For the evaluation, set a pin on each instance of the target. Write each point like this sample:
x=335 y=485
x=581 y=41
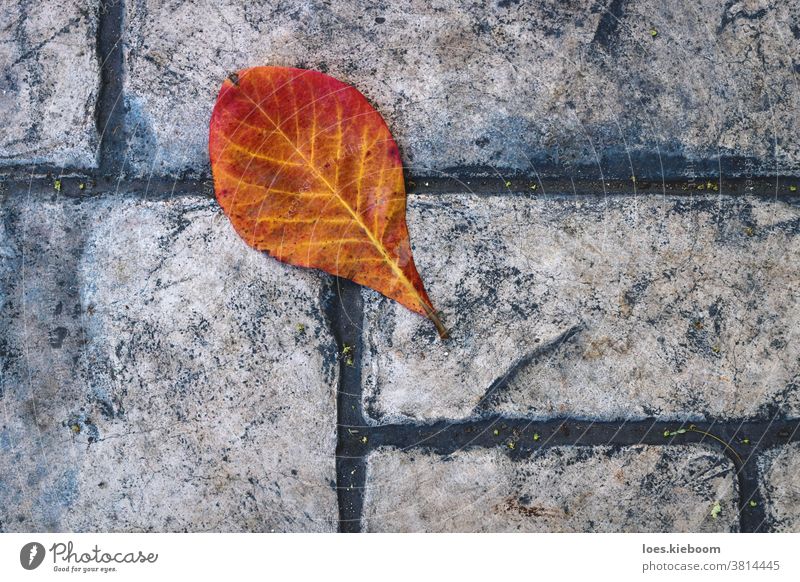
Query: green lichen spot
x=495 y=432
x=512 y=445
x=363 y=440
x=672 y=433
x=57 y=185
x=347 y=354
x=653 y=32
x=753 y=503
x=536 y=436
x=716 y=510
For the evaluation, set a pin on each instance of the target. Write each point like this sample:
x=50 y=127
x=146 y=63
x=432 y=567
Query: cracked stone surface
x=156 y=374
x=590 y=88
x=49 y=82
x=780 y=485
x=644 y=489
x=672 y=307
x=159 y=375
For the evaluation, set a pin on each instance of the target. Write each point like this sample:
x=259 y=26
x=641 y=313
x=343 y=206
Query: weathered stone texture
x=160 y=375
x=779 y=470
x=562 y=489
x=673 y=307
x=588 y=88
x=49 y=82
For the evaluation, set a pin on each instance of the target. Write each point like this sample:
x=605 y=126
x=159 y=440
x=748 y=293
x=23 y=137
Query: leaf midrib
x=375 y=242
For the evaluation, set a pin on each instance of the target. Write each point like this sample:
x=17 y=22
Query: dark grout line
x=752 y=518
x=98 y=187
x=780 y=186
x=345 y=314
x=109 y=111
x=101 y=183
x=445 y=437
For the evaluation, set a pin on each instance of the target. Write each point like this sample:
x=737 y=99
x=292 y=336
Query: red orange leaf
x=308 y=171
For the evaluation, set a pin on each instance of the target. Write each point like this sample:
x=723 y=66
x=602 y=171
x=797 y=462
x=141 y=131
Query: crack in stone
x=503 y=382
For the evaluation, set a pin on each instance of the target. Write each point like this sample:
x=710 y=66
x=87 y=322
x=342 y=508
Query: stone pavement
x=603 y=206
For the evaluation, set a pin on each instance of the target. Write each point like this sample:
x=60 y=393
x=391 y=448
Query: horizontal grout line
x=522 y=437
x=79 y=185
x=780 y=187
x=86 y=186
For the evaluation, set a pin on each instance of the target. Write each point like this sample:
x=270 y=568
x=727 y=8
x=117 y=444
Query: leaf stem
x=434 y=317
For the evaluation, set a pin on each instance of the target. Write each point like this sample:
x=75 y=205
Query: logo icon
x=31 y=555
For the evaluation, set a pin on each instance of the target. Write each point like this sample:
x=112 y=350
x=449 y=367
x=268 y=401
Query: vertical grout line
x=345 y=312
x=752 y=519
x=109 y=109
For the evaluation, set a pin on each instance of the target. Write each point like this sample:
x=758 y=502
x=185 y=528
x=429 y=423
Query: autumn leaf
x=308 y=171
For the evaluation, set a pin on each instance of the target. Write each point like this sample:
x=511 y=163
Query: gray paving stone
x=677 y=308
x=779 y=469
x=160 y=375
x=585 y=88
x=562 y=489
x=49 y=83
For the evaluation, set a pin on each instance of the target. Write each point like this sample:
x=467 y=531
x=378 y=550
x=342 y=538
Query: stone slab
x=49 y=83
x=562 y=489
x=159 y=375
x=589 y=89
x=602 y=308
x=779 y=469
